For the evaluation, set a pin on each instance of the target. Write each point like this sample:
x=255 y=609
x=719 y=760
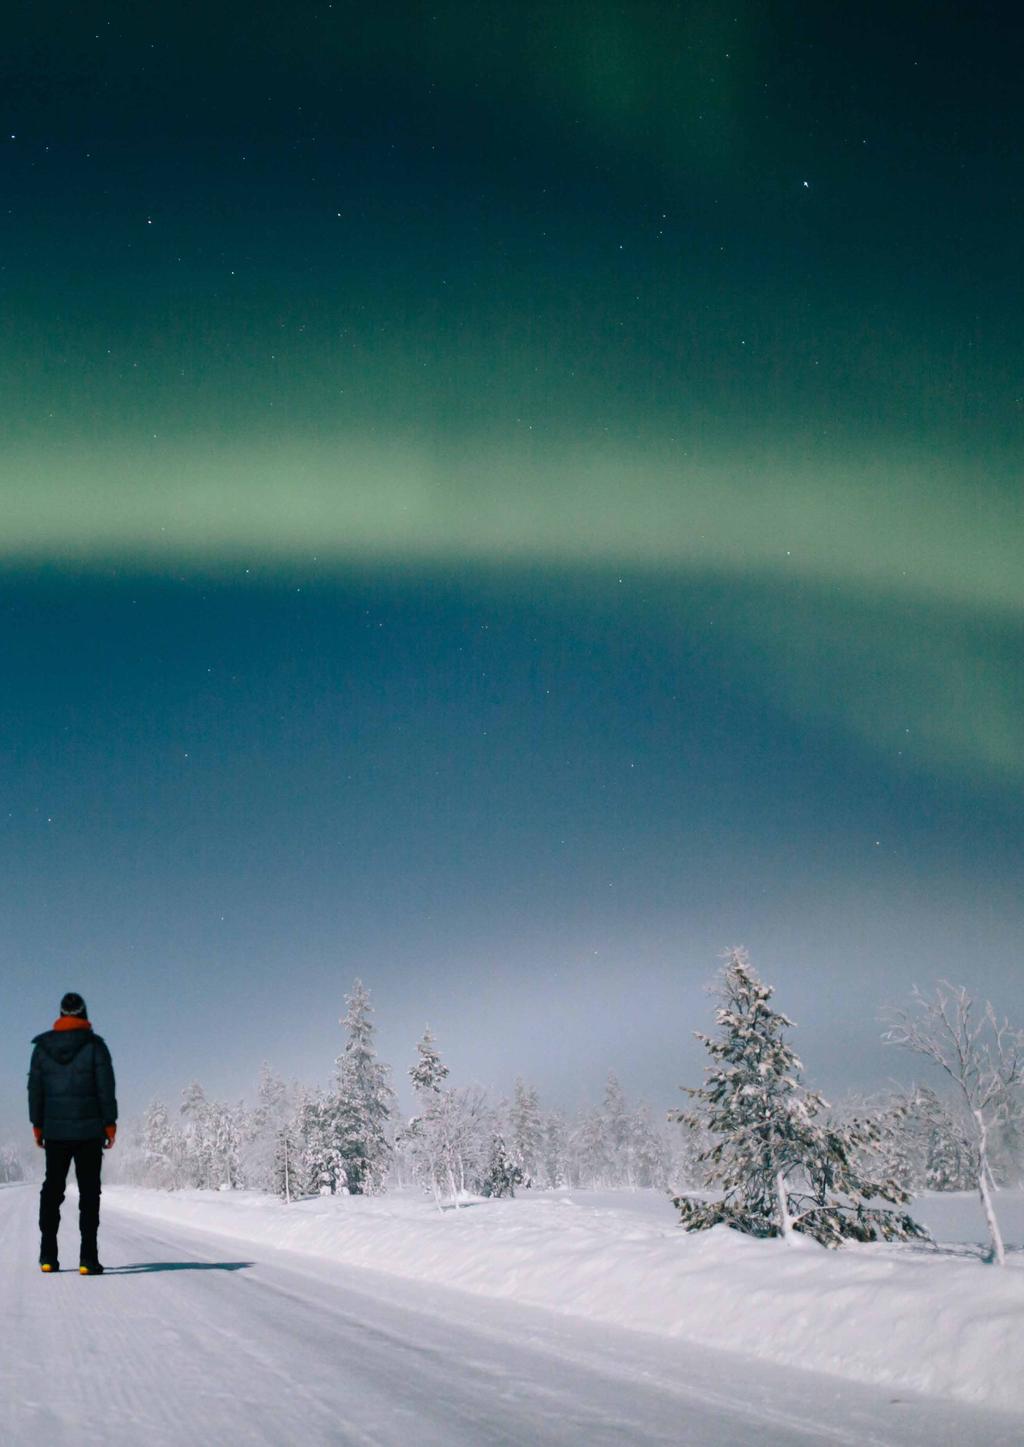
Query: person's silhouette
x=73 y=1110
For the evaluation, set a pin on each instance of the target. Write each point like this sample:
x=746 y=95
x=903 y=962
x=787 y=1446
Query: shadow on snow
x=142 y=1267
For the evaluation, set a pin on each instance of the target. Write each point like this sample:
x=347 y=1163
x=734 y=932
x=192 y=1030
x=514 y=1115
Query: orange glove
x=37 y=1131
x=110 y=1131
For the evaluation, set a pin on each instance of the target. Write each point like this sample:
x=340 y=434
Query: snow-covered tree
x=983 y=1057
x=648 y=1150
x=225 y=1127
x=896 y=1150
x=197 y=1137
x=162 y=1149
x=429 y=1073
x=323 y=1161
x=1008 y=1141
x=470 y=1131
x=526 y=1131
x=273 y=1143
x=288 y=1179
x=900 y=1152
x=427 y=1136
x=446 y=1140
x=502 y=1172
x=616 y=1124
x=941 y=1131
x=831 y=1198
x=260 y=1128
x=588 y=1160
x=211 y=1140
x=12 y=1167
x=273 y=1099
x=783 y=1168
x=616 y=1144
x=923 y=1139
x=632 y=1152
x=364 y=1101
x=754 y=1106
x=555 y=1149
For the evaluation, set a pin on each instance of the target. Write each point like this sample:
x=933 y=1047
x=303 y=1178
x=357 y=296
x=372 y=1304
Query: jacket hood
x=63 y=1045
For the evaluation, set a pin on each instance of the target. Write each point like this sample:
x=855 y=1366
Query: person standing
x=73 y=1110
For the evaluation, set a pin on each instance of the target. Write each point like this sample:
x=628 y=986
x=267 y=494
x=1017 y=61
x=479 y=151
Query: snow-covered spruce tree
x=555 y=1150
x=590 y=1165
x=649 y=1152
x=323 y=1163
x=259 y=1128
x=162 y=1149
x=427 y=1136
x=273 y=1140
x=526 y=1132
x=211 y=1140
x=364 y=1101
x=304 y=1103
x=616 y=1144
x=226 y=1141
x=616 y=1120
x=502 y=1172
x=197 y=1156
x=983 y=1057
x=783 y=1170
x=429 y=1073
x=833 y=1204
x=633 y=1154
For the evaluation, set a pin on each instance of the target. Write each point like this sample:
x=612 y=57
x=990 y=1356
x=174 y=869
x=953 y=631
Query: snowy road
x=188 y=1339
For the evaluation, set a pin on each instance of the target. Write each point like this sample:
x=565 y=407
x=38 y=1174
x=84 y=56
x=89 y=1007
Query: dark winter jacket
x=71 y=1085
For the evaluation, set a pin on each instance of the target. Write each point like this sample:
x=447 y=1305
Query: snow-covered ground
x=197 y=1336
x=920 y=1318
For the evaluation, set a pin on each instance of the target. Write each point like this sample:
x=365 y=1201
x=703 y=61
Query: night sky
x=507 y=501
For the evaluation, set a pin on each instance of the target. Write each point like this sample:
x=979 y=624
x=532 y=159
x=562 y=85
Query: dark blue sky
x=527 y=809
x=506 y=503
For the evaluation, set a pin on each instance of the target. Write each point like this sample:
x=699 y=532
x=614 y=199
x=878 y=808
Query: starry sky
x=506 y=501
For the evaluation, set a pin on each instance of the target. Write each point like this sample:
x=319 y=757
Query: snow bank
x=933 y=1321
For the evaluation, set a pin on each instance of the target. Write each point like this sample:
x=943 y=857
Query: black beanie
x=73 y=1004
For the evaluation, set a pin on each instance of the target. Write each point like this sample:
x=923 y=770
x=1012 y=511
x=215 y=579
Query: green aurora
x=508 y=499
x=893 y=602
x=581 y=290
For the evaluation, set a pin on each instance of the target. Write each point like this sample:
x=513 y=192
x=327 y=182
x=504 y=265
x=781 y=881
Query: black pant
x=88 y=1159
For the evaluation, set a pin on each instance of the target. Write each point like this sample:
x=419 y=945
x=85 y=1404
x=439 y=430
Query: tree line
x=351 y=1138
x=756 y=1149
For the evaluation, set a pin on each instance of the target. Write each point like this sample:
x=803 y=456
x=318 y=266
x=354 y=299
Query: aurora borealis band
x=649 y=374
